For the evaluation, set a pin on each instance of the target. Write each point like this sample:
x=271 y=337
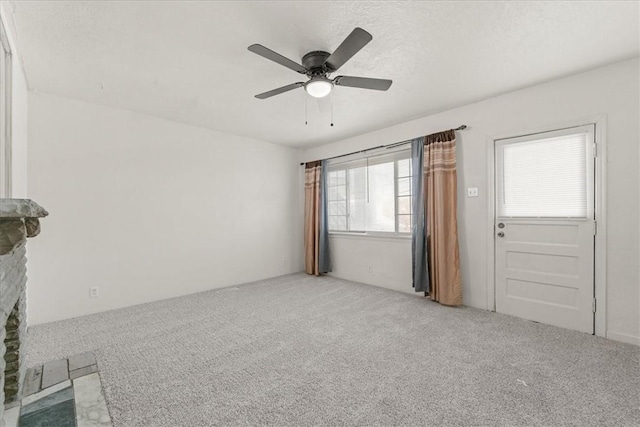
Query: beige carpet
x=300 y=350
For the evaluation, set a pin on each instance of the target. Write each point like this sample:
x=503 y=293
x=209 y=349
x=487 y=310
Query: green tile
x=47 y=401
x=59 y=415
x=46 y=392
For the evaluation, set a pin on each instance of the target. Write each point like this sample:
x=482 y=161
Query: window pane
x=358 y=199
x=358 y=215
x=333 y=193
x=404 y=186
x=337 y=223
x=543 y=178
x=404 y=168
x=369 y=187
x=404 y=205
x=404 y=223
x=358 y=184
x=381 y=206
x=333 y=222
x=371 y=198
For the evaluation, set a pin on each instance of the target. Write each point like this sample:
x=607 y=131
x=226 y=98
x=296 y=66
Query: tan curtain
x=312 y=178
x=440 y=193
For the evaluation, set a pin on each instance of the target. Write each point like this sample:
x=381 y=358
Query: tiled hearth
x=61 y=393
x=19 y=219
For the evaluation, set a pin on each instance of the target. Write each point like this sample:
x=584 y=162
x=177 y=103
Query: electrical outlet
x=93 y=292
x=472 y=192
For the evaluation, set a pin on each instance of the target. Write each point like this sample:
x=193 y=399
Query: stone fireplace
x=18 y=220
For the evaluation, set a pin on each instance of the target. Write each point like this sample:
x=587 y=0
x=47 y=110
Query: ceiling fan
x=317 y=66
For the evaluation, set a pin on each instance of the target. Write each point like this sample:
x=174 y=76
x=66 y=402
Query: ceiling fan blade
x=349 y=47
x=280 y=90
x=363 y=82
x=276 y=57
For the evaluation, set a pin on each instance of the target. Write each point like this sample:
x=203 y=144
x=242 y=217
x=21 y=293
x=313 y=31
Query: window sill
x=377 y=236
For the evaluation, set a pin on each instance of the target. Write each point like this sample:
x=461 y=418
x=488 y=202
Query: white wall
x=19 y=93
x=379 y=261
x=147 y=209
x=612 y=91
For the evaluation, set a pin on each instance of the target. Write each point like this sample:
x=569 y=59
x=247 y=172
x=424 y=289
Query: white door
x=545 y=227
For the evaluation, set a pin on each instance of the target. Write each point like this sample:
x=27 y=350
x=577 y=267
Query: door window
x=546 y=175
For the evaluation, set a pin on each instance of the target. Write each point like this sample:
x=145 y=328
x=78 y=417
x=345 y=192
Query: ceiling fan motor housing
x=314 y=62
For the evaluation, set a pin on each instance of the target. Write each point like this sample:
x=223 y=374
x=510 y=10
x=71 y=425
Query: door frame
x=600 y=252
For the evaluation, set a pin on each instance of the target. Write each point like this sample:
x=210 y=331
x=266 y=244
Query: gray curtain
x=418 y=232
x=324 y=258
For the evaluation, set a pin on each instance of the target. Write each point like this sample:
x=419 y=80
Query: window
x=5 y=114
x=371 y=195
x=546 y=175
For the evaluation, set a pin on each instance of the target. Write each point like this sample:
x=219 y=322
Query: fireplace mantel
x=19 y=219
x=21 y=208
x=25 y=211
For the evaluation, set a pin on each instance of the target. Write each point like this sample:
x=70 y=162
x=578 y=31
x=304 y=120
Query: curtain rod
x=461 y=127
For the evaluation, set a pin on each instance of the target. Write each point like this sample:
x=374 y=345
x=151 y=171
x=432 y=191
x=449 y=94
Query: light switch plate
x=472 y=192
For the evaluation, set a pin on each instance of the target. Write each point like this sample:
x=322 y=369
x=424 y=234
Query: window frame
x=5 y=114
x=394 y=157
x=397 y=196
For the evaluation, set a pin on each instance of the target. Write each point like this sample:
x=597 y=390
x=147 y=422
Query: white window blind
x=544 y=178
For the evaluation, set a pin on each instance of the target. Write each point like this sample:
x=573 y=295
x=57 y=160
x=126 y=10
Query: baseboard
x=616 y=336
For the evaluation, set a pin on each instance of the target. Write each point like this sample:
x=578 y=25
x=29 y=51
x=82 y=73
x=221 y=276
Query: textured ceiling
x=188 y=61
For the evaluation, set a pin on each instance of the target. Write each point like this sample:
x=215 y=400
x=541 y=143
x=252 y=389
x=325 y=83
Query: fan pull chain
x=305 y=109
x=331 y=101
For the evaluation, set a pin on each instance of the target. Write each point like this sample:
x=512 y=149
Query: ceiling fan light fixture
x=318 y=87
